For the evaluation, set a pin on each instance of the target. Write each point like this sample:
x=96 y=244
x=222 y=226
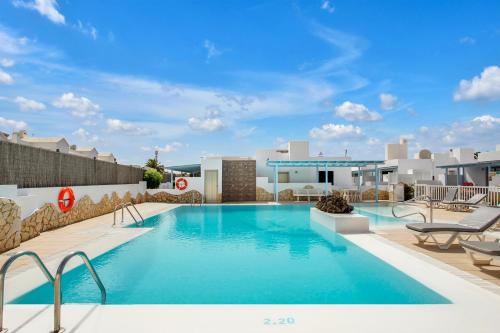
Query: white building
x=89 y=152
x=58 y=144
x=108 y=157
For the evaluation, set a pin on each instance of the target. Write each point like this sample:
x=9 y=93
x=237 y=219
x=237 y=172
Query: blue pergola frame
x=326 y=164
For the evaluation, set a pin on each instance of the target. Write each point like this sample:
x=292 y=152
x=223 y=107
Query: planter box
x=341 y=223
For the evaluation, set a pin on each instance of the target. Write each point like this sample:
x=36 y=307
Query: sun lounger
x=473 y=201
x=488 y=250
x=471 y=225
x=449 y=197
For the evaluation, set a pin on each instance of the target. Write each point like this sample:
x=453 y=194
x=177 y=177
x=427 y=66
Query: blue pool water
x=241 y=254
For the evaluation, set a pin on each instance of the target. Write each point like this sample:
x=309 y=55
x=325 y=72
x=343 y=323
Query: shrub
x=153 y=178
x=334 y=204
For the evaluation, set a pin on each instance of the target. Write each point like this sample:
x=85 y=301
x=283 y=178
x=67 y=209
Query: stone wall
x=370 y=195
x=13 y=230
x=10 y=224
x=238 y=180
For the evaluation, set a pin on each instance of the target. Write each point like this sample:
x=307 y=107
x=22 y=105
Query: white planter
x=341 y=223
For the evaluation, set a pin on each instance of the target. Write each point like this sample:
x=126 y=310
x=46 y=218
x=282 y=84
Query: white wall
x=211 y=164
x=30 y=199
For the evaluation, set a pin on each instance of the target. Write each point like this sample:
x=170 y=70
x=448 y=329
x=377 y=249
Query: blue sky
x=197 y=78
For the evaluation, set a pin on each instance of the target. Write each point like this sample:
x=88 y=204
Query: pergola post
x=376 y=182
x=458 y=176
x=359 y=179
x=445 y=176
x=488 y=170
x=326 y=179
x=276 y=193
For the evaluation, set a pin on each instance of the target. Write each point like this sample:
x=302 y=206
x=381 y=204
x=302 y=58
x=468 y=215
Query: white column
x=376 y=182
x=326 y=179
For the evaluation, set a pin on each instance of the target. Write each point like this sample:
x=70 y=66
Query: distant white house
x=4 y=136
x=89 y=152
x=58 y=143
x=108 y=157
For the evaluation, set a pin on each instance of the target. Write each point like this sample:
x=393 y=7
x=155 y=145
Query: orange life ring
x=65 y=204
x=181 y=184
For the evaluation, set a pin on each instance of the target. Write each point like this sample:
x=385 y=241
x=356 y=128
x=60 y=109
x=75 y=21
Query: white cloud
x=373 y=141
x=423 y=129
x=352 y=111
x=487 y=121
x=467 y=40
x=483 y=87
x=6 y=62
x=12 y=124
x=170 y=147
x=47 y=8
x=334 y=131
x=125 y=127
x=206 y=124
x=26 y=104
x=387 y=101
x=79 y=106
x=86 y=29
x=5 y=78
x=86 y=136
x=327 y=6
x=212 y=50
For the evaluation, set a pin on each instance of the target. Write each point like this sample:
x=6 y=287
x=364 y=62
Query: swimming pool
x=239 y=254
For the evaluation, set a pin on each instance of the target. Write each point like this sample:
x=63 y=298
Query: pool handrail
x=126 y=206
x=3 y=272
x=427 y=198
x=57 y=285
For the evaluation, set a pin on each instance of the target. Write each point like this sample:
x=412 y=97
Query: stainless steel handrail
x=57 y=285
x=125 y=206
x=428 y=199
x=3 y=272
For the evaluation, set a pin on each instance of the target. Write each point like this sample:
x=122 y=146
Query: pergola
x=460 y=167
x=324 y=164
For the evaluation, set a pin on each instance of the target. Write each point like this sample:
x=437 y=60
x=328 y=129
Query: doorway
x=211 y=186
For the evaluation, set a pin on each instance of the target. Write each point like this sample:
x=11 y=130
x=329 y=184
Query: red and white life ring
x=66 y=199
x=181 y=184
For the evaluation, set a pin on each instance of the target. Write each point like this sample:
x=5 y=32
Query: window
x=283 y=177
x=321 y=177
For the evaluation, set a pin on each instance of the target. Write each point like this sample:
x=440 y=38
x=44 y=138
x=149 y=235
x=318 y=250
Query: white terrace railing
x=438 y=192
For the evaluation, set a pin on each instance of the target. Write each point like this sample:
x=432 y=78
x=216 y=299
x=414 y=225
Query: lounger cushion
x=489 y=248
x=434 y=227
x=482 y=218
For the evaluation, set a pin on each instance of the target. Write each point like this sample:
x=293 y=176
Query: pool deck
x=475 y=294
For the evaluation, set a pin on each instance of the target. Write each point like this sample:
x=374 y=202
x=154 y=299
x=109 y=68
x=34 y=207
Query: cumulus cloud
x=212 y=50
x=487 y=121
x=12 y=124
x=26 y=104
x=47 y=8
x=86 y=136
x=486 y=86
x=387 y=101
x=125 y=127
x=5 y=78
x=336 y=131
x=170 y=147
x=79 y=106
x=352 y=111
x=327 y=6
x=206 y=124
x=6 y=62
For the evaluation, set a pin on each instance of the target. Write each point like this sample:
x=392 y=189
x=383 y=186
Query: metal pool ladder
x=57 y=285
x=126 y=206
x=56 y=282
x=3 y=272
x=415 y=213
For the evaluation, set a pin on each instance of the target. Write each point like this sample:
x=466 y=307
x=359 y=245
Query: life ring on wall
x=66 y=203
x=181 y=184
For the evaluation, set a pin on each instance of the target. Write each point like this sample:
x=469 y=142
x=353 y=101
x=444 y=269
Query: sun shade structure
x=323 y=164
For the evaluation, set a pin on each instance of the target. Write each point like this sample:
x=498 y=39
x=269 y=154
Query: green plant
x=154 y=164
x=409 y=191
x=335 y=204
x=153 y=178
